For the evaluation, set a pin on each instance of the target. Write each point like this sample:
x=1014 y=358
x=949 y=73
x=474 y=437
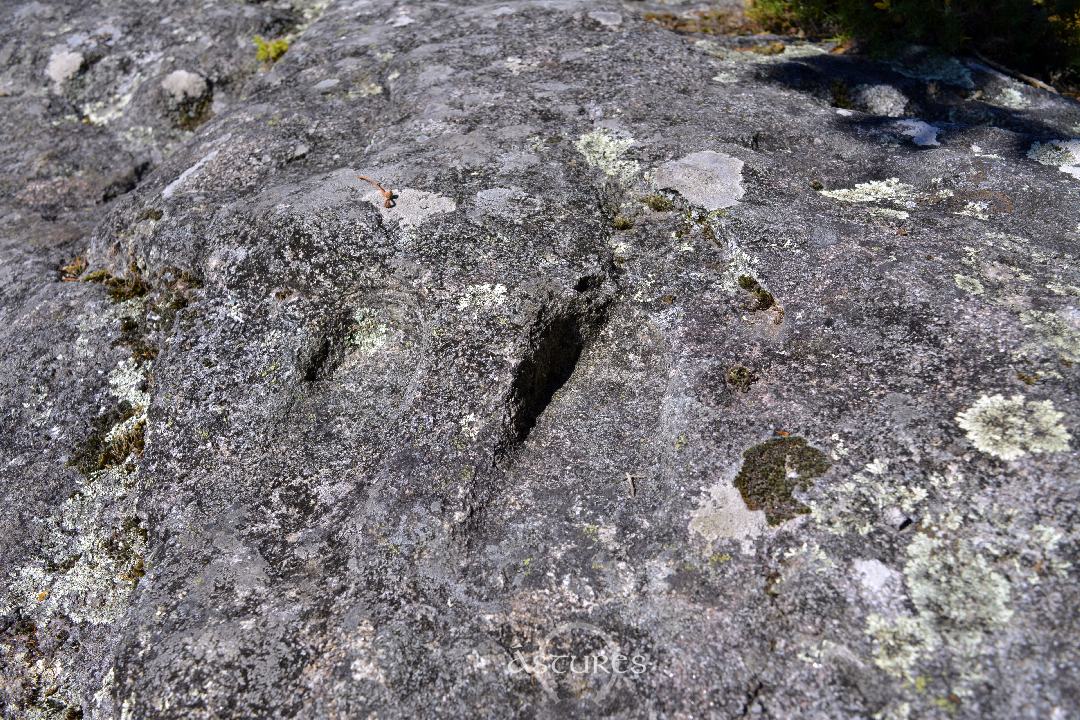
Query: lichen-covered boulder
x=529 y=359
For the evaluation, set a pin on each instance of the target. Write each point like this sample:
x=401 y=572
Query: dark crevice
x=540 y=375
x=330 y=351
x=589 y=282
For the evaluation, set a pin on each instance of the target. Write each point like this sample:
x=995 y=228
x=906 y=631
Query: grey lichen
x=959 y=599
x=1009 y=428
x=604 y=150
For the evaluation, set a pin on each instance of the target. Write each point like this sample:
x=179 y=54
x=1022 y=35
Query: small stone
x=606 y=18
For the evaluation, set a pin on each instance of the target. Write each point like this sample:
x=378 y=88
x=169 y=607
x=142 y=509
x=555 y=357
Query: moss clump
x=71 y=271
x=269 y=51
x=762 y=299
x=772 y=470
x=120 y=289
x=193 y=113
x=621 y=222
x=741 y=377
x=113 y=437
x=770 y=48
x=658 y=203
x=706 y=22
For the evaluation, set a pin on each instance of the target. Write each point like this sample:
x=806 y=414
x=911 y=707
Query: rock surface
x=790 y=435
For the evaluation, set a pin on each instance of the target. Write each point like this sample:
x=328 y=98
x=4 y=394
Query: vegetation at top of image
x=1041 y=37
x=269 y=51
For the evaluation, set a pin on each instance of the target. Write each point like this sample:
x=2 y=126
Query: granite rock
x=271 y=448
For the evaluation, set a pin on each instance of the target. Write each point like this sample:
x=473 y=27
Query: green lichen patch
x=604 y=149
x=970 y=285
x=773 y=470
x=1054 y=332
x=369 y=334
x=269 y=51
x=741 y=377
x=761 y=299
x=1009 y=428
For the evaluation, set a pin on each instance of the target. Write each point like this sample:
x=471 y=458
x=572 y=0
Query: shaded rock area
x=273 y=449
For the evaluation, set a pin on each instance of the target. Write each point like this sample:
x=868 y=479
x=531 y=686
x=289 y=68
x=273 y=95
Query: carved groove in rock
x=543 y=373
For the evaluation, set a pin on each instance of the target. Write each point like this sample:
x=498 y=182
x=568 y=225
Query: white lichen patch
x=1062 y=154
x=64 y=65
x=889 y=213
x=1010 y=428
x=884 y=100
x=99 y=542
x=708 y=179
x=128 y=383
x=899 y=643
x=366 y=88
x=604 y=150
x=970 y=285
x=890 y=190
x=182 y=85
x=369 y=335
x=486 y=296
x=1012 y=98
x=955 y=586
x=1063 y=289
x=977 y=210
x=723 y=515
x=939 y=68
x=517 y=65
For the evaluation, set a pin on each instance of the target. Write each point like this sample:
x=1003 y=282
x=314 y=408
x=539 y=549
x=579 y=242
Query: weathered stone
x=272 y=448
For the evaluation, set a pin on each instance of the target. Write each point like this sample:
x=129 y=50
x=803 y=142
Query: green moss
x=772 y=470
x=762 y=298
x=621 y=222
x=193 y=113
x=741 y=377
x=269 y=51
x=706 y=22
x=120 y=289
x=72 y=270
x=658 y=203
x=114 y=437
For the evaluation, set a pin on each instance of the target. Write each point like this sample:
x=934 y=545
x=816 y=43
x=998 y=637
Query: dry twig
x=388 y=195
